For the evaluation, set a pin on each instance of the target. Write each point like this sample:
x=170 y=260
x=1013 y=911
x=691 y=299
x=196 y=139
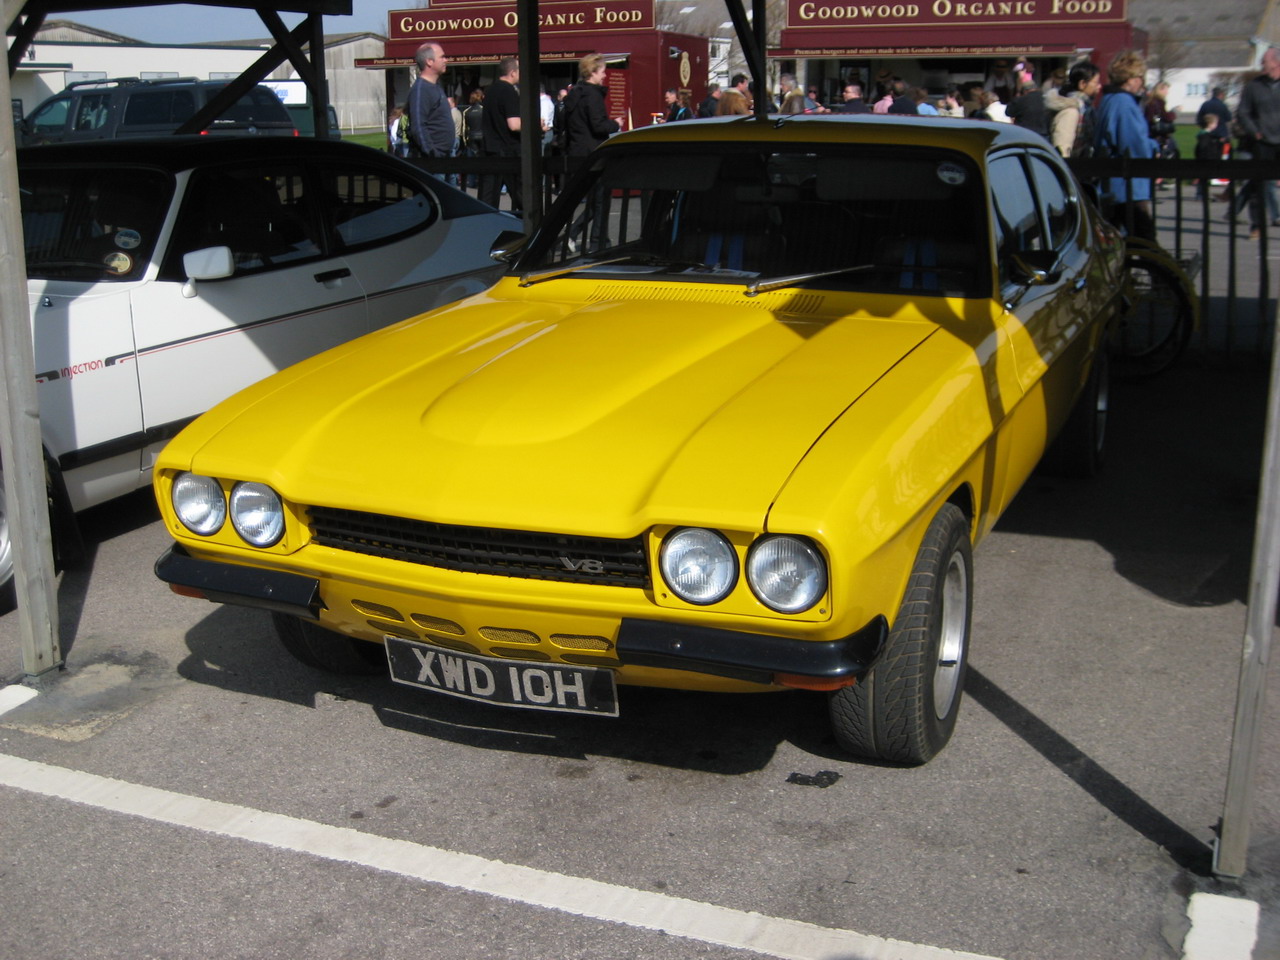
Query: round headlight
x=786 y=573
x=699 y=565
x=199 y=503
x=257 y=514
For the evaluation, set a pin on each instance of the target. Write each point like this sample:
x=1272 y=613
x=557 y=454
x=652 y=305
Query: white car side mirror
x=211 y=263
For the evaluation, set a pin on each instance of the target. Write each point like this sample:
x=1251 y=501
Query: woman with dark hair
x=1071 y=108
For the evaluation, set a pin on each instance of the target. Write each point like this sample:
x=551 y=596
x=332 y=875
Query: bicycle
x=1161 y=310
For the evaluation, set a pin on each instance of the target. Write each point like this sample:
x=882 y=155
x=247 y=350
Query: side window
x=148 y=107
x=1059 y=211
x=91 y=111
x=1017 y=215
x=97 y=224
x=368 y=207
x=52 y=117
x=261 y=212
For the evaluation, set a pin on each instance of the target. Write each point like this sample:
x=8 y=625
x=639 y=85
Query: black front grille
x=504 y=553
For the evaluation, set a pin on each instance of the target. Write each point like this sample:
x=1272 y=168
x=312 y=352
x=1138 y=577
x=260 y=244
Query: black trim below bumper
x=241 y=586
x=749 y=656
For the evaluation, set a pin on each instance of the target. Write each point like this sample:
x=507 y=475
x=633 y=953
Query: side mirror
x=211 y=263
x=1035 y=268
x=1032 y=268
x=508 y=245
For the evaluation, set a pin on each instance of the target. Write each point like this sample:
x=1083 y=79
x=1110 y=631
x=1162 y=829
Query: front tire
x=904 y=710
x=1080 y=448
x=325 y=650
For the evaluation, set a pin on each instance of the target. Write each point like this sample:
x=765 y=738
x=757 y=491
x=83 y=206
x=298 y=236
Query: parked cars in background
x=166 y=274
x=297 y=100
x=129 y=107
x=733 y=421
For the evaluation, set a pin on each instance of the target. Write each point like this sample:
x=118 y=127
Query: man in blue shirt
x=431 y=131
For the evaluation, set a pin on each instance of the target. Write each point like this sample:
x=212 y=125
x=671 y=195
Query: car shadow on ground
x=1175 y=504
x=729 y=734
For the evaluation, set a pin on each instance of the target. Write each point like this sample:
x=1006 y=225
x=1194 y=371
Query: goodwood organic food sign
x=476 y=20
x=825 y=14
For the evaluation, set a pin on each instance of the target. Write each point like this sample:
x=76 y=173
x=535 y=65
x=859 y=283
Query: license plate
x=512 y=683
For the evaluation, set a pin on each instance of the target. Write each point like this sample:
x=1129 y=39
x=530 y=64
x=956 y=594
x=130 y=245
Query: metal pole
x=26 y=503
x=530 y=52
x=1229 y=853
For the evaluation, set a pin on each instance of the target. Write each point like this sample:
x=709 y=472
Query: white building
x=63 y=52
x=1195 y=46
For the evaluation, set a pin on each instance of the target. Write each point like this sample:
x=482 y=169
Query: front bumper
x=737 y=655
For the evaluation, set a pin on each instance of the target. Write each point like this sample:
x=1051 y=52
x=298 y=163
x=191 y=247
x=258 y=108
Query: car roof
x=177 y=153
x=974 y=137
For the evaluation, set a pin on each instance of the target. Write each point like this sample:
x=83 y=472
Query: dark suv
x=129 y=107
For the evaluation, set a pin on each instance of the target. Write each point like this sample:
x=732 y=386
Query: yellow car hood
x=597 y=418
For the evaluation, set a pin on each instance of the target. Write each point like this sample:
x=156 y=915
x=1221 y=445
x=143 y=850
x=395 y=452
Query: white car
x=165 y=275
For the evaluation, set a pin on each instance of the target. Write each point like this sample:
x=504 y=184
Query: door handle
x=341 y=273
x=1080 y=284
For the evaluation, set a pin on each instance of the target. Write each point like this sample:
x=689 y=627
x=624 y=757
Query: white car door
x=287 y=299
x=89 y=232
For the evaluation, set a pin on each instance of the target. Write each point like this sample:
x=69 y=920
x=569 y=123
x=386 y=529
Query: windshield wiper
x=777 y=283
x=645 y=259
x=529 y=279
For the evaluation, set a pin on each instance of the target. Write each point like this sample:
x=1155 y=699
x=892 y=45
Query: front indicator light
x=257 y=514
x=199 y=503
x=787 y=574
x=698 y=565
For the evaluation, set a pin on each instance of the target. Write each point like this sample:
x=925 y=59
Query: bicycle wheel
x=1156 y=326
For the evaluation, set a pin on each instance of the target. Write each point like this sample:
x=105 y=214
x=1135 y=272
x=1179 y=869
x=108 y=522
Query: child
x=1209 y=145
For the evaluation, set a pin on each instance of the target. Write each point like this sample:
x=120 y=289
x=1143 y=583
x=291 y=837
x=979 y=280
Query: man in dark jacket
x=431 y=131
x=587 y=125
x=1259 y=118
x=708 y=106
x=502 y=134
x=853 y=102
x=1029 y=111
x=1220 y=110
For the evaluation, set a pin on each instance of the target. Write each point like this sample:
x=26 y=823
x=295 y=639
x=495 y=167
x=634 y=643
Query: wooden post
x=21 y=449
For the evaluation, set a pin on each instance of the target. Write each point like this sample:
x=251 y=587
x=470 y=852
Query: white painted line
x=1222 y=928
x=771 y=936
x=15 y=695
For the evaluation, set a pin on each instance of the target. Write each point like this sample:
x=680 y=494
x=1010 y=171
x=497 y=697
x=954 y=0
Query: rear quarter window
x=368 y=207
x=154 y=107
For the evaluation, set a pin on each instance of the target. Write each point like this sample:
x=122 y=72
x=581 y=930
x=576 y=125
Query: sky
x=188 y=23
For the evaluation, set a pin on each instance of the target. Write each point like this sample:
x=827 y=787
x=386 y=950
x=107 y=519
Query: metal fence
x=1203 y=218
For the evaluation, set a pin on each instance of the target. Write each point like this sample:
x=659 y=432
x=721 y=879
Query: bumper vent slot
x=503 y=553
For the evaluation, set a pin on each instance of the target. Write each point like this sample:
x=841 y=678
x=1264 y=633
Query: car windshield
x=851 y=217
x=92 y=225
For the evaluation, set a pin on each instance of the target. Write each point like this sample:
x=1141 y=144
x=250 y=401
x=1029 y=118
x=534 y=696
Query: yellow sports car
x=732 y=421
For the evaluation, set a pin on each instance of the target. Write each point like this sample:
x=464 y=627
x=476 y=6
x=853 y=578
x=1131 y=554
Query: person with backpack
x=1071 y=110
x=398 y=132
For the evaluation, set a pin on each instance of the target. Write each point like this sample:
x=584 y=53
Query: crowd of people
x=1074 y=109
